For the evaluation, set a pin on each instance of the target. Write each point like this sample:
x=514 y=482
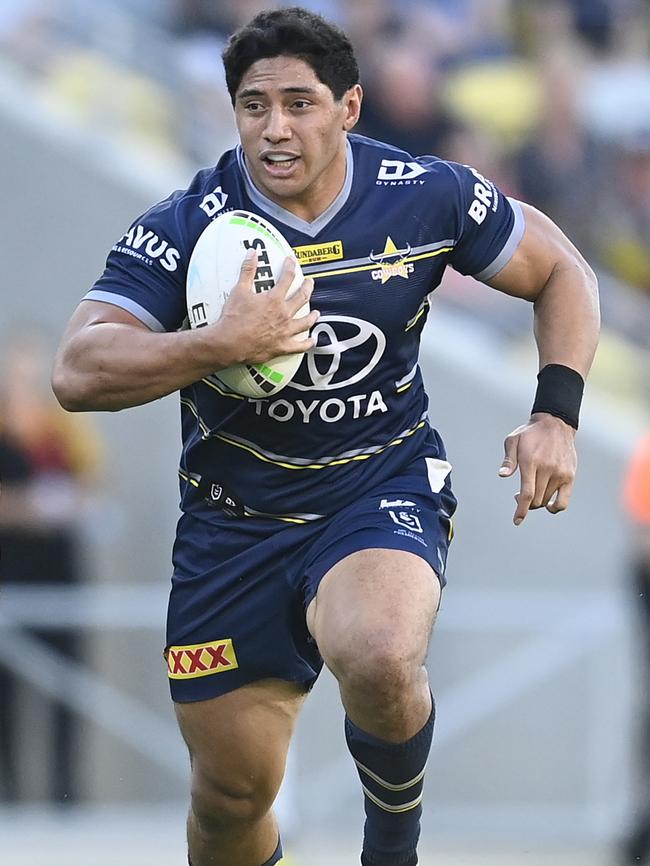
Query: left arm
x=548 y=270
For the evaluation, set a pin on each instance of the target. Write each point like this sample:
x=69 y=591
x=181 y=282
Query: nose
x=277 y=127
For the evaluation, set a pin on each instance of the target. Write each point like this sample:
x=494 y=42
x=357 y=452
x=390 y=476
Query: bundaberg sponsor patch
x=313 y=254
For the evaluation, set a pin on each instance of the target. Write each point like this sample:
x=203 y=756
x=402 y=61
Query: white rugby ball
x=212 y=273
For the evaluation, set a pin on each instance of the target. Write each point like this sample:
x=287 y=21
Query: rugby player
x=315 y=524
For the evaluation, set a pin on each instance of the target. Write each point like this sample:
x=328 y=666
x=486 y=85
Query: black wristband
x=559 y=392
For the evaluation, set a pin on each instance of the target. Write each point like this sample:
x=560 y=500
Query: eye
x=301 y=104
x=253 y=107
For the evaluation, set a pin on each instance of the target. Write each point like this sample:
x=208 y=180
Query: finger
x=285 y=279
x=509 y=463
x=297 y=347
x=552 y=487
x=304 y=323
x=544 y=487
x=561 y=500
x=524 y=497
x=301 y=340
x=248 y=268
x=301 y=297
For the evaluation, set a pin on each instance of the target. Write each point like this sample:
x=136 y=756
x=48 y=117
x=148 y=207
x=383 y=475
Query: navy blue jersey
x=356 y=412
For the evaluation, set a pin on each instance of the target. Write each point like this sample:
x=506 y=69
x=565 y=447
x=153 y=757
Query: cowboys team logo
x=392 y=262
x=201 y=659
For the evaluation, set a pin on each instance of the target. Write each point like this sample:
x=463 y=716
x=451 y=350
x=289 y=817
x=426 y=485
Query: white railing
x=587 y=623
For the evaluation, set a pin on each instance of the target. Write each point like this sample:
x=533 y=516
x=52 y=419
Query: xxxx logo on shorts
x=201 y=659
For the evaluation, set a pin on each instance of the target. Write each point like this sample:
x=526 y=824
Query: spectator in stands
x=623 y=220
x=558 y=166
x=192 y=17
x=402 y=102
x=49 y=464
x=28 y=33
x=636 y=502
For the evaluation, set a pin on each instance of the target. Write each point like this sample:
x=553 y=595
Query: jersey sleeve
x=488 y=224
x=145 y=269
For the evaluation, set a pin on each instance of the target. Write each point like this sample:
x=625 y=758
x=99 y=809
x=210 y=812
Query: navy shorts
x=241 y=587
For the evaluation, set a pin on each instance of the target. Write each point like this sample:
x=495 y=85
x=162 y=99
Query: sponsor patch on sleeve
x=201 y=659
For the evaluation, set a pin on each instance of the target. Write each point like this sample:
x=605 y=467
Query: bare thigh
x=372 y=618
x=385 y=593
x=238 y=742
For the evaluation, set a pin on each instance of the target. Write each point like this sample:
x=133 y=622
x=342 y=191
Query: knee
x=220 y=805
x=380 y=662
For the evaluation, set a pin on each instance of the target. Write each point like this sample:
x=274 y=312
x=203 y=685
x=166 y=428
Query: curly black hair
x=295 y=32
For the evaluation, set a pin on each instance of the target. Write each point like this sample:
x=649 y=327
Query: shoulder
x=387 y=166
x=168 y=230
x=206 y=195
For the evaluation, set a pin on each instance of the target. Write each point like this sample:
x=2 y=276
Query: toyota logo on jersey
x=346 y=351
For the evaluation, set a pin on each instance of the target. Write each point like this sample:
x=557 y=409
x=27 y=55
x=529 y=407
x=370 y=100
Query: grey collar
x=285 y=216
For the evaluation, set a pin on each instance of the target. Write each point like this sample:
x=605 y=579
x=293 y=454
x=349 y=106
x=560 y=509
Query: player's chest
x=381 y=276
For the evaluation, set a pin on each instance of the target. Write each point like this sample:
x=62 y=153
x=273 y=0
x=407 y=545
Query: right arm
x=109 y=360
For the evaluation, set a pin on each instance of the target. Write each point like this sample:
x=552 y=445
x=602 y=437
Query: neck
x=314 y=201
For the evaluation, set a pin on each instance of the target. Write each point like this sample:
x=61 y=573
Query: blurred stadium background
x=106 y=106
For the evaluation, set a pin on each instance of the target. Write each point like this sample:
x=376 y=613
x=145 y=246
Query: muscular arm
x=548 y=270
x=109 y=360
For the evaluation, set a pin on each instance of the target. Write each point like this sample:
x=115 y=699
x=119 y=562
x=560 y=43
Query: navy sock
x=277 y=855
x=392 y=777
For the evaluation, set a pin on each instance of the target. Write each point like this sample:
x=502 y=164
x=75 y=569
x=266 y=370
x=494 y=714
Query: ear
x=352 y=100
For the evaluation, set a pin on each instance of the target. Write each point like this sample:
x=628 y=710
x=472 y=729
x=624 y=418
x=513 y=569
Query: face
x=293 y=133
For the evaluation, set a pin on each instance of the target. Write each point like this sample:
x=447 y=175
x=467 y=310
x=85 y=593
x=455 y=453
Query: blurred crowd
x=549 y=98
x=52 y=471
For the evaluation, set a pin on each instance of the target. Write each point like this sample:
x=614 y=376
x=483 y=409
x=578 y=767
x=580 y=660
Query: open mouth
x=279 y=163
